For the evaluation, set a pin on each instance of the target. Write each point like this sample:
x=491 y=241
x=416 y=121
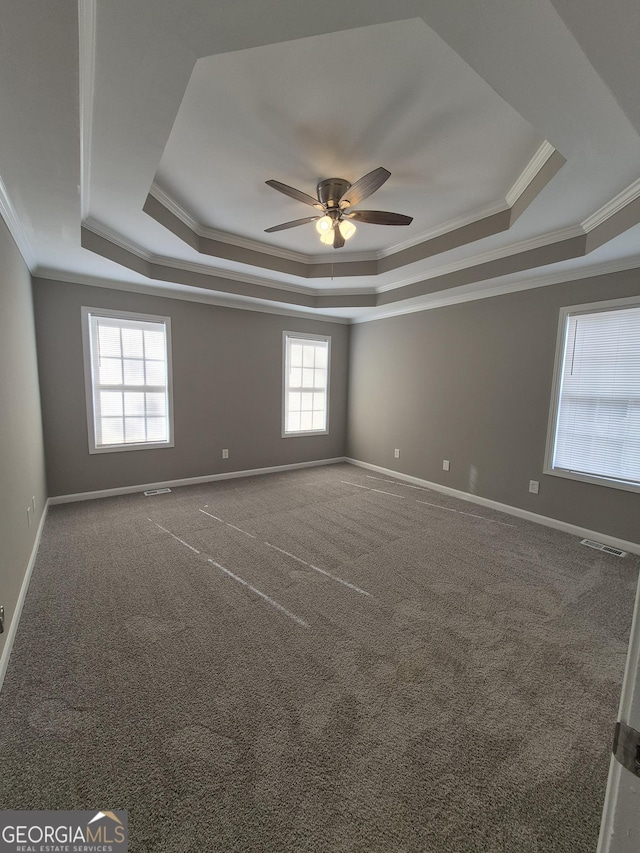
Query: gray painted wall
x=471 y=383
x=21 y=449
x=227 y=379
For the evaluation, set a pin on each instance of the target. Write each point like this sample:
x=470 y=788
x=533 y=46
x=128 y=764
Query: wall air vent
x=156 y=492
x=600 y=547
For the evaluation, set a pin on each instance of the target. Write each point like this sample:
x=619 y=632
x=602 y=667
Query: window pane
x=296 y=355
x=294 y=401
x=133 y=372
x=110 y=371
x=156 y=404
x=108 y=342
x=295 y=377
x=156 y=429
x=318 y=420
x=307 y=378
x=306 y=420
x=111 y=403
x=321 y=355
x=318 y=402
x=134 y=429
x=112 y=431
x=134 y=403
x=132 y=343
x=319 y=378
x=293 y=422
x=306 y=403
x=154 y=344
x=156 y=373
x=308 y=356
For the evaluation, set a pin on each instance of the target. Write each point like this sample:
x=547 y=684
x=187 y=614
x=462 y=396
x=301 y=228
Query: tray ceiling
x=141 y=133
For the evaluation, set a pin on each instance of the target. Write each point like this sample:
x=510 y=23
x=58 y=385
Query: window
x=306 y=384
x=594 y=432
x=128 y=379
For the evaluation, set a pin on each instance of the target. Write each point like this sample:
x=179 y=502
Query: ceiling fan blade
x=338 y=239
x=379 y=217
x=364 y=187
x=292 y=192
x=292 y=224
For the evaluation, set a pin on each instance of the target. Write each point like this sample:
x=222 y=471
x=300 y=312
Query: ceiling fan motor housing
x=331 y=190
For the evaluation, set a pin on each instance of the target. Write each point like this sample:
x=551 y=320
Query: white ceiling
x=138 y=136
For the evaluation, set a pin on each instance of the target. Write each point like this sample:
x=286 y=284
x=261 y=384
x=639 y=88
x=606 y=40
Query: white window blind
x=598 y=411
x=306 y=384
x=130 y=381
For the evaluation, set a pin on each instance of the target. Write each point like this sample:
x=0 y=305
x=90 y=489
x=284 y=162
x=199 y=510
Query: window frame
x=303 y=336
x=115 y=314
x=556 y=388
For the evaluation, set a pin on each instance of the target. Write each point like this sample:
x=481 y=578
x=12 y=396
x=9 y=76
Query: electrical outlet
x=396 y=453
x=445 y=464
x=534 y=487
x=225 y=453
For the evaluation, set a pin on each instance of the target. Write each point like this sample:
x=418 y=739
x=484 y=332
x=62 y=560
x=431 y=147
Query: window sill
x=623 y=485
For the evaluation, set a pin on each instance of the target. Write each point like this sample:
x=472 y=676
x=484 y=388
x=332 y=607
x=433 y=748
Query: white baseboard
x=189 y=481
x=582 y=532
x=13 y=627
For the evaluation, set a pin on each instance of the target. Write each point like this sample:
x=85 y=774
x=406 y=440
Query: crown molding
x=530 y=172
x=202 y=231
x=455 y=298
x=185 y=294
x=616 y=204
x=12 y=221
x=493 y=255
x=191 y=266
x=87 y=65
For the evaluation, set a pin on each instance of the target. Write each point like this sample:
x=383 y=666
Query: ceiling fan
x=336 y=197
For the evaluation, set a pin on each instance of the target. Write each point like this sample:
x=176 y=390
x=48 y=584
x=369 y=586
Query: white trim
x=546 y=521
x=87 y=47
x=192 y=266
x=12 y=221
x=442 y=299
x=87 y=314
x=304 y=336
x=190 y=294
x=617 y=775
x=498 y=254
x=17 y=613
x=190 y=481
x=615 y=205
x=449 y=227
x=556 y=390
x=530 y=172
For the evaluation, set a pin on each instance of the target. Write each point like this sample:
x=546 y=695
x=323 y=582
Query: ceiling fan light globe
x=347 y=229
x=324 y=225
x=327 y=238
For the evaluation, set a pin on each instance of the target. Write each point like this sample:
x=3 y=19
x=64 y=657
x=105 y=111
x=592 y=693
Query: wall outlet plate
x=445 y=464
x=534 y=487
x=396 y=453
x=225 y=453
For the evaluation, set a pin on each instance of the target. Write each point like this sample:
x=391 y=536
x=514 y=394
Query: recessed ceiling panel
x=340 y=105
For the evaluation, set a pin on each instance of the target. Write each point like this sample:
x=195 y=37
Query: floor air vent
x=600 y=547
x=157 y=492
